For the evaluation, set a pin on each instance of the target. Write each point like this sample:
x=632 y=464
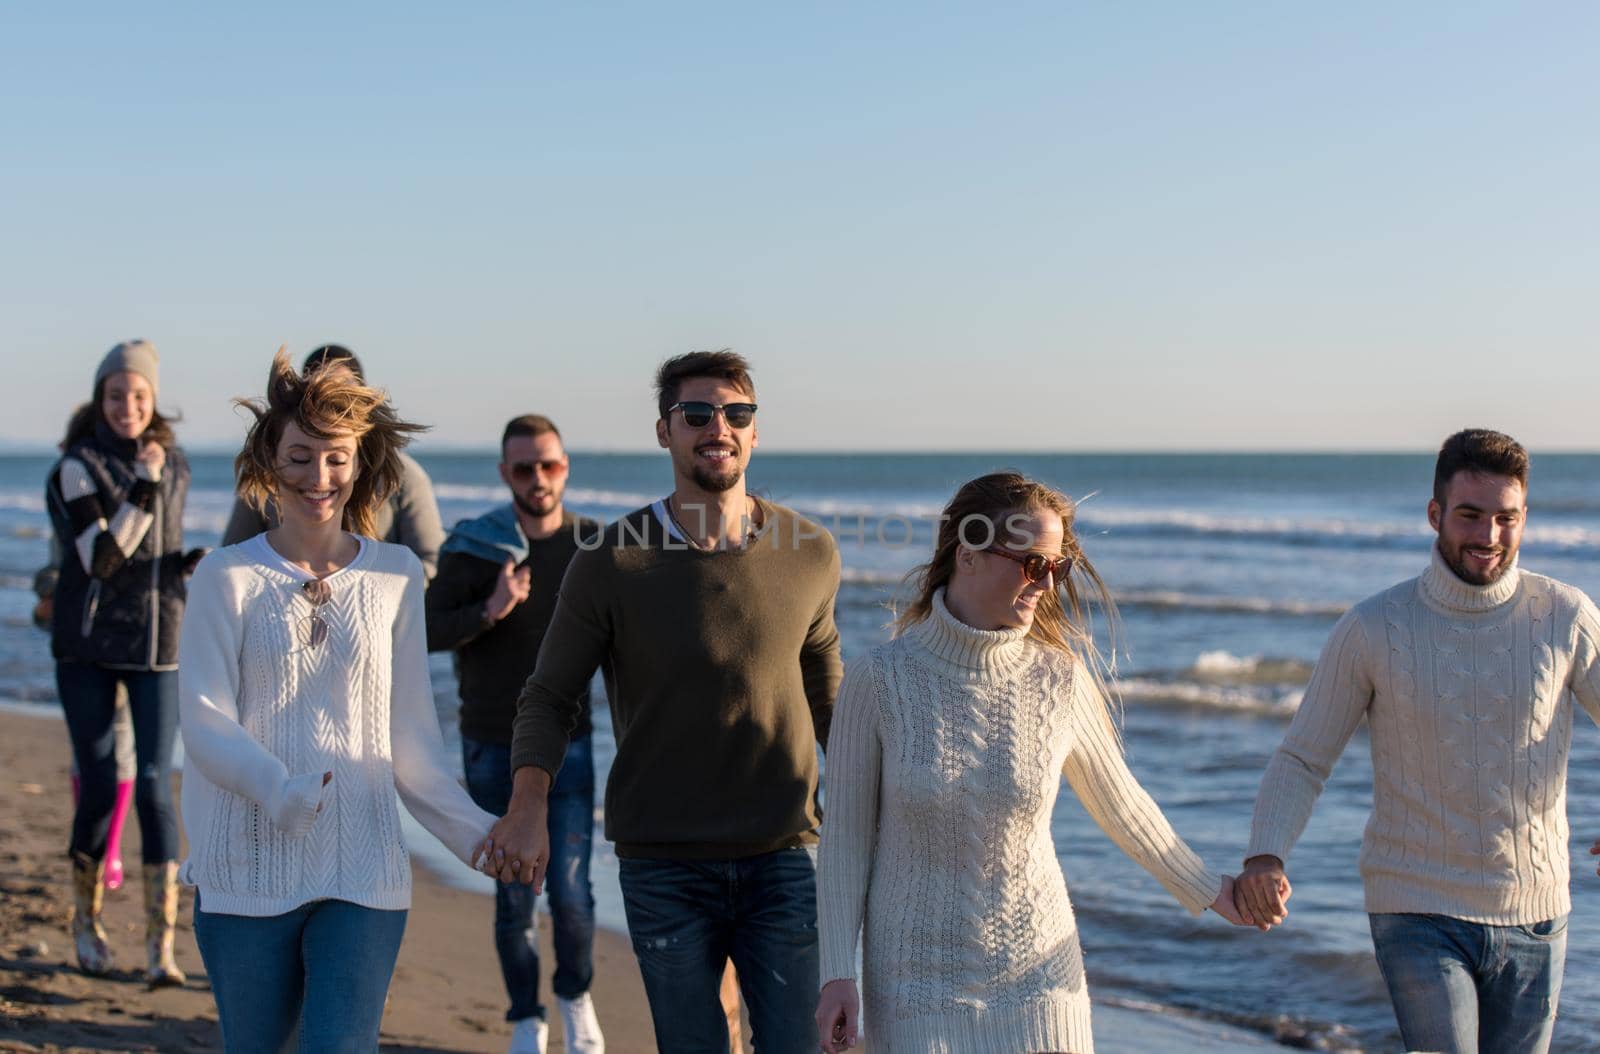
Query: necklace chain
x=694 y=543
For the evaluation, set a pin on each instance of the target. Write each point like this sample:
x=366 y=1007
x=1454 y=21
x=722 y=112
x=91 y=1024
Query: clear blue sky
x=1065 y=226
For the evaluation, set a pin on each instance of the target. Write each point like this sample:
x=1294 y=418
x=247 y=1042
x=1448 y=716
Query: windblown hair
x=725 y=365
x=325 y=402
x=981 y=510
x=1481 y=452
x=81 y=424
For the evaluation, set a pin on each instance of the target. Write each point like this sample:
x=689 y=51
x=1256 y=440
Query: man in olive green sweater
x=710 y=613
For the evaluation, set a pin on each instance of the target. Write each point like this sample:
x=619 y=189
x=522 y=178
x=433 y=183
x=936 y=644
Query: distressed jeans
x=1463 y=987
x=571 y=824
x=687 y=918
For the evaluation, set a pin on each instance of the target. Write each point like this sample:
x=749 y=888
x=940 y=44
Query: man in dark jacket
x=491 y=603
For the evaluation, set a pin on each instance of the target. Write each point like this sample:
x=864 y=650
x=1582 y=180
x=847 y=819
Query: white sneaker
x=529 y=1036
x=583 y=1028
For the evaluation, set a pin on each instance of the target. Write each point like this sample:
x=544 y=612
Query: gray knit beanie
x=135 y=356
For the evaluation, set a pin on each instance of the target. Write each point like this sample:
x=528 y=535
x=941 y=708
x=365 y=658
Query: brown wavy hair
x=81 y=424
x=327 y=402
x=1062 y=621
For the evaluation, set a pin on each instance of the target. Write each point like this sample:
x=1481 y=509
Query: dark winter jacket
x=119 y=600
x=493 y=659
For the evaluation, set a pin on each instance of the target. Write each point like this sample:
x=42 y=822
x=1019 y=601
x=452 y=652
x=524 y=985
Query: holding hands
x=1261 y=893
x=517 y=848
x=1224 y=904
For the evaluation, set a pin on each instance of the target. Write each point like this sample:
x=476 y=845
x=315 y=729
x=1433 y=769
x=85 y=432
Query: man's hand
x=838 y=1016
x=510 y=589
x=518 y=846
x=1261 y=892
x=1224 y=905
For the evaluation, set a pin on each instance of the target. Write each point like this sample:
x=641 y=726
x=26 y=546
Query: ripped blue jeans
x=1462 y=987
x=687 y=918
x=571 y=821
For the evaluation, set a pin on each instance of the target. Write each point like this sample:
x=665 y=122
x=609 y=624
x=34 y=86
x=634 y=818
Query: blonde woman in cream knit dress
x=946 y=753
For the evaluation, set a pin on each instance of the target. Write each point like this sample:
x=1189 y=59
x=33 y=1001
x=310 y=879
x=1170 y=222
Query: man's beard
x=529 y=509
x=1456 y=560
x=716 y=484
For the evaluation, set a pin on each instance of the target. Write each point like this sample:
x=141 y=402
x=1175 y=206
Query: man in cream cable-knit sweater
x=1466 y=674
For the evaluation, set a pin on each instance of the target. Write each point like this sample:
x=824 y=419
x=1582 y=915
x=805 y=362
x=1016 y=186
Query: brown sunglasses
x=522 y=471
x=1035 y=566
x=313 y=629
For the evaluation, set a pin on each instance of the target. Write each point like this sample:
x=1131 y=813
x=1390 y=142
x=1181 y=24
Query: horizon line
x=35 y=448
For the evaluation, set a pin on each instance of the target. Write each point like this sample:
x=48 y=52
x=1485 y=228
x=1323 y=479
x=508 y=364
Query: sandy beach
x=446 y=996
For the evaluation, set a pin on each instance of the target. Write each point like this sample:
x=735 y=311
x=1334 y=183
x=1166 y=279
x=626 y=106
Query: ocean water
x=1230 y=570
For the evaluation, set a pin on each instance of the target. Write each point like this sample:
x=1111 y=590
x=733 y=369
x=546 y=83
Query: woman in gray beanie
x=116 y=502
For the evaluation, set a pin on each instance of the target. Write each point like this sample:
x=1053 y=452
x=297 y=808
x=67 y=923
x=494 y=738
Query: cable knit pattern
x=263 y=716
x=1468 y=692
x=944 y=761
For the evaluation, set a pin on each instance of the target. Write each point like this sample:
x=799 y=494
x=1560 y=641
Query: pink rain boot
x=119 y=816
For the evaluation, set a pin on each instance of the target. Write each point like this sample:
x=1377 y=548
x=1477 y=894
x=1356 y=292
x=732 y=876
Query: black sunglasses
x=698 y=414
x=1035 y=566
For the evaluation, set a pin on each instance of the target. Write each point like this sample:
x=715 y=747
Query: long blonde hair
x=325 y=402
x=1062 y=620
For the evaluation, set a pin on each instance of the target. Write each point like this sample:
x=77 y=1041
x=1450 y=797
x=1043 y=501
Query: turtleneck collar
x=1446 y=590
x=976 y=651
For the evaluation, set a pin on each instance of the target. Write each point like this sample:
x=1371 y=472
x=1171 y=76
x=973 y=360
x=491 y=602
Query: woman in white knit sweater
x=944 y=760
x=305 y=706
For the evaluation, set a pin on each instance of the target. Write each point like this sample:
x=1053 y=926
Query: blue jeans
x=89 y=701
x=571 y=820
x=688 y=917
x=1462 y=987
x=318 y=974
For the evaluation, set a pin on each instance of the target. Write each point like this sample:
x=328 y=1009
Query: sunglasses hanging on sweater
x=313 y=629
